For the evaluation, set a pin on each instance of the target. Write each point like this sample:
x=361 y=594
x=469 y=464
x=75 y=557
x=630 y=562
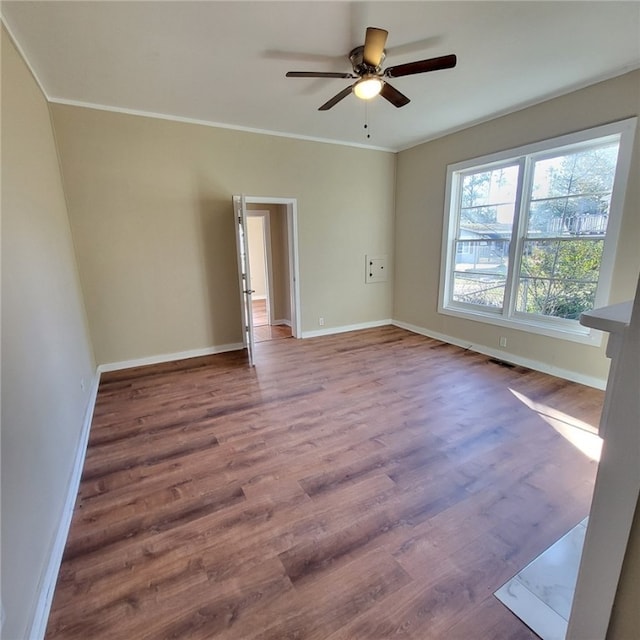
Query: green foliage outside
x=559 y=278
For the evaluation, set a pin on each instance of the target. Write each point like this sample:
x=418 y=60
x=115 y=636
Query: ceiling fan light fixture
x=367 y=87
x=370 y=78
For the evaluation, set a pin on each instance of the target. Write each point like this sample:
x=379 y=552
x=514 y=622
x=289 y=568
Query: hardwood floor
x=271 y=332
x=259 y=312
x=262 y=330
x=363 y=486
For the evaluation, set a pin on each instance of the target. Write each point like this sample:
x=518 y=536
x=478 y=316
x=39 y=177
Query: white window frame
x=572 y=330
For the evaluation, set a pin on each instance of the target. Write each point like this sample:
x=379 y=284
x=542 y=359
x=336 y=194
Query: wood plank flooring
x=259 y=313
x=267 y=332
x=262 y=330
x=369 y=485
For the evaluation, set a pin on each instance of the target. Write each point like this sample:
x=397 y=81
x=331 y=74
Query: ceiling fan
x=366 y=62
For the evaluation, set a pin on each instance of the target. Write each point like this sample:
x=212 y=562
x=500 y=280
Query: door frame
x=292 y=233
x=617 y=486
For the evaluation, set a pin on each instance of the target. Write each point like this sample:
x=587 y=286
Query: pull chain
x=366 y=120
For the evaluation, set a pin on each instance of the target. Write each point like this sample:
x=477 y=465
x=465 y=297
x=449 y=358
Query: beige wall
x=45 y=345
x=280 y=251
x=625 y=617
x=420 y=187
x=257 y=257
x=150 y=208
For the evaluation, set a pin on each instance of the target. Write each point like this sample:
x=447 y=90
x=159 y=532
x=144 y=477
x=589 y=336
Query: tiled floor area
x=542 y=593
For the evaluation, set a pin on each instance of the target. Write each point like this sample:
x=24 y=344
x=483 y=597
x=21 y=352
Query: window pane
x=587 y=172
x=559 y=277
x=490 y=187
x=475 y=288
x=566 y=259
x=569 y=205
x=555 y=298
x=482 y=256
x=485 y=219
x=488 y=199
x=570 y=216
x=483 y=236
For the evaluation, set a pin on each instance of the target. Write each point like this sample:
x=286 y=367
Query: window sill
x=580 y=334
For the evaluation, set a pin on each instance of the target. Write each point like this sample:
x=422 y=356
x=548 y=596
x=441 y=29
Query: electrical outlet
x=321 y=322
x=503 y=341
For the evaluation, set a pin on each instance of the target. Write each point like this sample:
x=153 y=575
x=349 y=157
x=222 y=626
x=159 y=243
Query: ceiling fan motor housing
x=360 y=67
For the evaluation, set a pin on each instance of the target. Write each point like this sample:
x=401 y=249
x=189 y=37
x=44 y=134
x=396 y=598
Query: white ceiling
x=225 y=62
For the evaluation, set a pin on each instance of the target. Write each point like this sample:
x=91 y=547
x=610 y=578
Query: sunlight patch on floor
x=581 y=435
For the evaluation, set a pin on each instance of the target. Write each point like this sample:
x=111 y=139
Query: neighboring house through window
x=530 y=233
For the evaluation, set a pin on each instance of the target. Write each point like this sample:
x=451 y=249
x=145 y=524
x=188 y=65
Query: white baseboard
x=169 y=357
x=50 y=576
x=536 y=365
x=591 y=381
x=343 y=329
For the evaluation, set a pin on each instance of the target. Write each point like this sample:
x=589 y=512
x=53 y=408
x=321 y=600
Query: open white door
x=244 y=274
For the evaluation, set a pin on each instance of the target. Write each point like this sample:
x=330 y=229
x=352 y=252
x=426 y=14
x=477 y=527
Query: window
x=530 y=234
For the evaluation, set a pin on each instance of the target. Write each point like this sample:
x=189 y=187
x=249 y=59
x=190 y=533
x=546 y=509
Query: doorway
x=268 y=262
x=270 y=228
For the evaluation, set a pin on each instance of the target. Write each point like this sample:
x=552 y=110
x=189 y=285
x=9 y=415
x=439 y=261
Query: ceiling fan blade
x=318 y=74
x=334 y=101
x=301 y=56
x=374 y=46
x=412 y=47
x=421 y=66
x=391 y=94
